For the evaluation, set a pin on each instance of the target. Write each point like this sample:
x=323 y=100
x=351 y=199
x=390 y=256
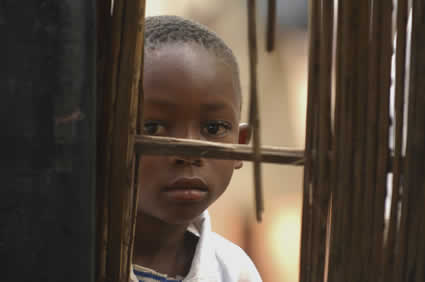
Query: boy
x=192 y=90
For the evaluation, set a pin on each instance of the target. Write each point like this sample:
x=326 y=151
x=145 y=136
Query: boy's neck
x=165 y=248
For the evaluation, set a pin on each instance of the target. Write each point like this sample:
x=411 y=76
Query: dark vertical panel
x=47 y=148
x=413 y=205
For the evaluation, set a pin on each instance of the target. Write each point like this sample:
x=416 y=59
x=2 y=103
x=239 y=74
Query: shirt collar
x=204 y=265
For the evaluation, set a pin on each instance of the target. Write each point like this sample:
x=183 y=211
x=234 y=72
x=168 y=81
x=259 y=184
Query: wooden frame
x=342 y=228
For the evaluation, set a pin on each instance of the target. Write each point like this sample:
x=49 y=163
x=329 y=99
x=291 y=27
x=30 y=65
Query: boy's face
x=189 y=93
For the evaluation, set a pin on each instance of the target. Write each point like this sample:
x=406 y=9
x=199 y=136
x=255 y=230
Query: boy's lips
x=187 y=189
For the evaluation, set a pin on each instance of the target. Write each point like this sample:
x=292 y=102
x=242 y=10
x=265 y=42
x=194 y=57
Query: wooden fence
x=347 y=158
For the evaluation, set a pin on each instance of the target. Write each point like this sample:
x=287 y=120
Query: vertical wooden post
x=271 y=25
x=400 y=73
x=312 y=100
x=354 y=178
x=322 y=127
x=254 y=117
x=412 y=247
x=120 y=95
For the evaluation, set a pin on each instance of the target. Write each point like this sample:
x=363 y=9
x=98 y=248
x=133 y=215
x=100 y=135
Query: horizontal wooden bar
x=166 y=146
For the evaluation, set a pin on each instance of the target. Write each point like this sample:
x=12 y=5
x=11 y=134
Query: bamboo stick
x=138 y=130
x=371 y=136
x=415 y=160
x=385 y=52
x=335 y=259
x=321 y=191
x=271 y=25
x=420 y=265
x=340 y=247
x=346 y=150
x=348 y=78
x=130 y=218
x=112 y=45
x=314 y=184
x=313 y=76
x=165 y=146
x=389 y=273
x=360 y=32
x=402 y=244
x=420 y=259
x=254 y=118
x=122 y=72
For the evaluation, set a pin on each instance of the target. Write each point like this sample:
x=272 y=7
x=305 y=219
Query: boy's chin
x=181 y=219
x=174 y=216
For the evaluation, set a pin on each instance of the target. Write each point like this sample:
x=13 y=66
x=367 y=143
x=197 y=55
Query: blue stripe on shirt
x=153 y=276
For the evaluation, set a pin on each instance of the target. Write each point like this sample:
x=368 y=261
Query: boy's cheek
x=150 y=161
x=148 y=166
x=223 y=170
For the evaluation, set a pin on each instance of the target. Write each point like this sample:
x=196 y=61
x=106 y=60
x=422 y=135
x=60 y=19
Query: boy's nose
x=186 y=161
x=187 y=132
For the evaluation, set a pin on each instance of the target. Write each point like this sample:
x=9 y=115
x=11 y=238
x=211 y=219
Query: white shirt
x=216 y=259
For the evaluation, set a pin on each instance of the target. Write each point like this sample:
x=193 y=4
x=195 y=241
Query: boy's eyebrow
x=210 y=107
x=215 y=107
x=160 y=102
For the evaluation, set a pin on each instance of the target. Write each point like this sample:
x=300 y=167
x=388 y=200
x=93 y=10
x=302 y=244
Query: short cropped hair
x=165 y=30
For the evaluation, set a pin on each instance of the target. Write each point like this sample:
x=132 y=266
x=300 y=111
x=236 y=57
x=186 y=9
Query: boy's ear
x=244 y=133
x=244 y=138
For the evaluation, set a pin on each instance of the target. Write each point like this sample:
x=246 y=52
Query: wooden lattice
x=344 y=233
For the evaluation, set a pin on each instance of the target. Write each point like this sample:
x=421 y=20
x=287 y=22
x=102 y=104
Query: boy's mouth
x=187 y=189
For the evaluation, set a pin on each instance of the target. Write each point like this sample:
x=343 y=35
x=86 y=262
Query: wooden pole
x=412 y=247
x=313 y=86
x=254 y=117
x=320 y=189
x=385 y=52
x=121 y=94
x=271 y=25
x=400 y=73
x=358 y=254
x=167 y=146
x=335 y=229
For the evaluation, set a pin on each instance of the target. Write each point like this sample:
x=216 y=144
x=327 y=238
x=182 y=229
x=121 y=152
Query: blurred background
x=273 y=244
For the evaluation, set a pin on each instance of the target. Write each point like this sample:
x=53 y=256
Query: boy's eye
x=153 y=128
x=216 y=128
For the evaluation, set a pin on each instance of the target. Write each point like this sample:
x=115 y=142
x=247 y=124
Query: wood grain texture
x=313 y=86
x=271 y=25
x=413 y=206
x=254 y=116
x=120 y=92
x=321 y=160
x=400 y=73
x=167 y=146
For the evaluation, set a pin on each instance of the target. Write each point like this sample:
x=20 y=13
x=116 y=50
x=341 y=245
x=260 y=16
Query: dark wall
x=47 y=141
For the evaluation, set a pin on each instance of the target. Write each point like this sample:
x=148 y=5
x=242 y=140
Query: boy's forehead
x=177 y=58
x=188 y=67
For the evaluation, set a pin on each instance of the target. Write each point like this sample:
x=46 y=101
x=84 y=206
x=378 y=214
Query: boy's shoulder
x=233 y=261
x=226 y=248
x=217 y=259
